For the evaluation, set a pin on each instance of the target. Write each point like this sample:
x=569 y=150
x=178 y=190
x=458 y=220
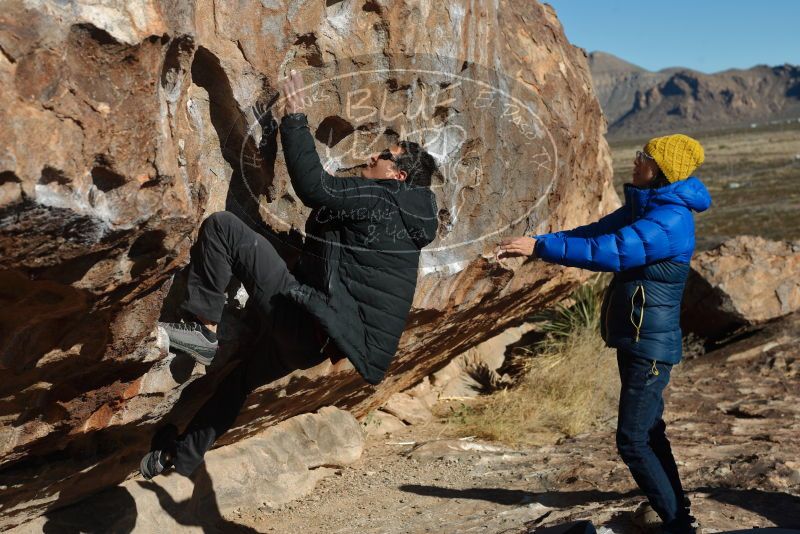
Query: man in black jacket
x=349 y=295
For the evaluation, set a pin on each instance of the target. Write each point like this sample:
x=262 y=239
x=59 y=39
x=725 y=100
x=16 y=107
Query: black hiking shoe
x=194 y=339
x=688 y=525
x=154 y=463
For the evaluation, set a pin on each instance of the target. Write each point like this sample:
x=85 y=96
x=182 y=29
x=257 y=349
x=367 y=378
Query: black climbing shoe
x=154 y=463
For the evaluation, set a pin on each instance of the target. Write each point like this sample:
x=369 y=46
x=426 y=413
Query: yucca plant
x=582 y=312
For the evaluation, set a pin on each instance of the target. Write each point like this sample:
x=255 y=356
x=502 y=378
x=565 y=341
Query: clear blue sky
x=705 y=35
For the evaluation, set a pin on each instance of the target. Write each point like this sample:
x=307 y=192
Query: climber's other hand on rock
x=292 y=89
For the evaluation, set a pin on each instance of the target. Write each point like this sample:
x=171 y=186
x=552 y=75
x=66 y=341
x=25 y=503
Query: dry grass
x=568 y=384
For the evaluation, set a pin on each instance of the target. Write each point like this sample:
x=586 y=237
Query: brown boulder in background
x=125 y=124
x=746 y=280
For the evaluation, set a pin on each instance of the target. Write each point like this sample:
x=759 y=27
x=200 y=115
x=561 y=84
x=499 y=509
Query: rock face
x=127 y=123
x=745 y=281
x=475 y=371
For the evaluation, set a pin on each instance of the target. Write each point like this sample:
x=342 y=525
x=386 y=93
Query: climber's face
x=645 y=168
x=381 y=165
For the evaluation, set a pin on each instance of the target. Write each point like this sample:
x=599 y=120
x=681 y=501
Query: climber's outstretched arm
x=314 y=186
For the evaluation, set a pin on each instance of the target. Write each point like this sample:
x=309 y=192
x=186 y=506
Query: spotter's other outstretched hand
x=511 y=247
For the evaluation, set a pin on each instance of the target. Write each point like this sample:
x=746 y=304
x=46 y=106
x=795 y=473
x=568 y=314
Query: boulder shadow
x=200 y=509
x=573 y=527
x=112 y=511
x=508 y=497
x=783 y=509
x=496 y=495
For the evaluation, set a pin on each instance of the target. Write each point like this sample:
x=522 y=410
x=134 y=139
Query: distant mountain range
x=638 y=102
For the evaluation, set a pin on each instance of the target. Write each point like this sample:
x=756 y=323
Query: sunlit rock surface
x=744 y=281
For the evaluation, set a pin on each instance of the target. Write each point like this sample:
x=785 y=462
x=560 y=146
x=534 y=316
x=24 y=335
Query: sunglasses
x=640 y=156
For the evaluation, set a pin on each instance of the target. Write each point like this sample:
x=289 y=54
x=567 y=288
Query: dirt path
x=734 y=420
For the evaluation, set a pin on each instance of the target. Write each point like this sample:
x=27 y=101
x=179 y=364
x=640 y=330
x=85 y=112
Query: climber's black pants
x=227 y=246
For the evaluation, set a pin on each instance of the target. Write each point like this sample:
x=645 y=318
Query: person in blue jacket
x=647 y=244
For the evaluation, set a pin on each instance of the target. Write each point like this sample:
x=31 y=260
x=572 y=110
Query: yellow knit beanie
x=677 y=155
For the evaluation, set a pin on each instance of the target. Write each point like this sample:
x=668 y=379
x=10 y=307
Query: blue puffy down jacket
x=647 y=244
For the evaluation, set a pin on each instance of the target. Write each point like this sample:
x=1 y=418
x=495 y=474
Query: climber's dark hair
x=415 y=161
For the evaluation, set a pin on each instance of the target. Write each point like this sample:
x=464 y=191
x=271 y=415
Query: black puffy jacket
x=358 y=269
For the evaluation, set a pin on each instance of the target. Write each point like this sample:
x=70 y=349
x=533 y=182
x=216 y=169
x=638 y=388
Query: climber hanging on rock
x=647 y=244
x=349 y=295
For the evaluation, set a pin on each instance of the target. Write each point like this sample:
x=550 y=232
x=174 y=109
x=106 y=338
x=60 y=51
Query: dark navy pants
x=642 y=442
x=226 y=246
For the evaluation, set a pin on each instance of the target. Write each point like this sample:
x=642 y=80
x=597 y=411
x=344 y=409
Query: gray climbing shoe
x=194 y=339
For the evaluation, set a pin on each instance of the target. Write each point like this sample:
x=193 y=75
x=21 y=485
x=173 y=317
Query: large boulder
x=746 y=280
x=125 y=124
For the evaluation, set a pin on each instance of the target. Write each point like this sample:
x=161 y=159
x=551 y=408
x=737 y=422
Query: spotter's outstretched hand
x=515 y=246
